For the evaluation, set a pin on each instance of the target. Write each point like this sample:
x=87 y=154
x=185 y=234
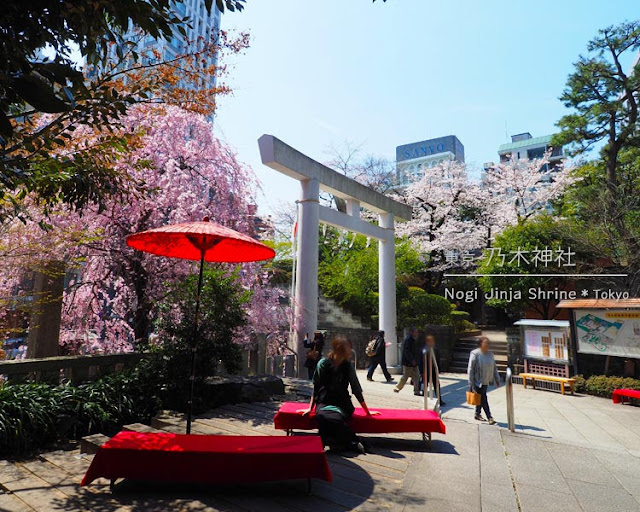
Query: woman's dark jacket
x=331 y=385
x=380 y=350
x=313 y=345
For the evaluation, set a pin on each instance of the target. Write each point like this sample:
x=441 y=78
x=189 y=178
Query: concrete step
x=90 y=444
x=141 y=427
x=331 y=315
x=464 y=356
x=502 y=368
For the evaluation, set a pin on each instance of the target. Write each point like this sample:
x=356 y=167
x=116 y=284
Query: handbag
x=312 y=354
x=473 y=398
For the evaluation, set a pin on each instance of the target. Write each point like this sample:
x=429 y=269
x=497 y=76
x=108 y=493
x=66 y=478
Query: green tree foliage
x=419 y=308
x=348 y=270
x=604 y=205
x=31 y=85
x=604 y=97
x=222 y=312
x=540 y=234
x=588 y=206
x=280 y=267
x=348 y=273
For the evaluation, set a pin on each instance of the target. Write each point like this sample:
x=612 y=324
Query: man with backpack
x=376 y=350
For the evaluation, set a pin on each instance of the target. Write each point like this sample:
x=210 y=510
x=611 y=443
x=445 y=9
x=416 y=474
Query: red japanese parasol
x=203 y=241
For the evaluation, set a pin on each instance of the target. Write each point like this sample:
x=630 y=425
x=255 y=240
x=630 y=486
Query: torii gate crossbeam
x=313 y=177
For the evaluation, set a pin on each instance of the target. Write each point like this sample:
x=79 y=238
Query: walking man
x=483 y=372
x=379 y=358
x=410 y=362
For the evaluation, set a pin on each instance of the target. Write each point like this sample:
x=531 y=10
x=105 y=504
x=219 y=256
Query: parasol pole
x=194 y=347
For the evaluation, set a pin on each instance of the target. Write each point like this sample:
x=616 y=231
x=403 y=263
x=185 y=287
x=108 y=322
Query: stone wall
x=234 y=389
x=256 y=361
x=359 y=339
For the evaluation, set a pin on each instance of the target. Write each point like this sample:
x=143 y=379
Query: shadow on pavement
x=522 y=428
x=454 y=393
x=162 y=496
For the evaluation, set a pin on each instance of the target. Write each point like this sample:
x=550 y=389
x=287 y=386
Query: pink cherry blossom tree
x=456 y=217
x=110 y=298
x=446 y=206
x=515 y=190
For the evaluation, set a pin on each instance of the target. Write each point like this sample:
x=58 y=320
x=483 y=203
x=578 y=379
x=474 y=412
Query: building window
x=536 y=153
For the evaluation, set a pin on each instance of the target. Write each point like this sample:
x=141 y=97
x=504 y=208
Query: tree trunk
x=141 y=324
x=44 y=324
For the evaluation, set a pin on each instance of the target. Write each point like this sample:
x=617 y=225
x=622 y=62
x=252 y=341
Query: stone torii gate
x=313 y=177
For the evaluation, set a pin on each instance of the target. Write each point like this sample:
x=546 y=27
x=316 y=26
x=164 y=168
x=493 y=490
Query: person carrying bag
x=378 y=358
x=482 y=372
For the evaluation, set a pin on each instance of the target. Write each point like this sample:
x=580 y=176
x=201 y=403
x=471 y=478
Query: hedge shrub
x=33 y=416
x=603 y=385
x=421 y=308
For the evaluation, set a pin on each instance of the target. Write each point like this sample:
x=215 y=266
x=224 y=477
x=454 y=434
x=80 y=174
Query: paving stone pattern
x=569 y=453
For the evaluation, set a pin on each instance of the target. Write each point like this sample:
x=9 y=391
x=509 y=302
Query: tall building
x=414 y=160
x=202 y=26
x=524 y=146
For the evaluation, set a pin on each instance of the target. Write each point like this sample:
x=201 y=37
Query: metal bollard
x=430 y=376
x=509 y=389
x=425 y=381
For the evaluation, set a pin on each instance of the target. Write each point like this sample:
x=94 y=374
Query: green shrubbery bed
x=603 y=385
x=33 y=416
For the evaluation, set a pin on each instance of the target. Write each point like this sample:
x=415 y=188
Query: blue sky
x=320 y=72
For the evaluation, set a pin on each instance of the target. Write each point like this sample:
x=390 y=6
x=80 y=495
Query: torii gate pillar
x=314 y=176
x=387 y=317
x=306 y=291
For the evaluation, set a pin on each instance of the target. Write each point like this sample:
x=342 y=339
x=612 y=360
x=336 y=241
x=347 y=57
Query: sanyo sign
x=431 y=147
x=417 y=152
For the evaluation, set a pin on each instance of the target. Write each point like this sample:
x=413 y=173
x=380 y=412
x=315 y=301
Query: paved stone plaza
x=570 y=453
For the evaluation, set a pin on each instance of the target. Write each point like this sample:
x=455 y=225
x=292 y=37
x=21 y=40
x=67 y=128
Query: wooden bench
x=550 y=378
x=619 y=395
x=221 y=460
x=289 y=418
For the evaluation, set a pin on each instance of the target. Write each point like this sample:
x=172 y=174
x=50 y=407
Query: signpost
x=608 y=332
x=546 y=340
x=606 y=327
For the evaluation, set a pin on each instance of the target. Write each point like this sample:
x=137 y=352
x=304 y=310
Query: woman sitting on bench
x=331 y=399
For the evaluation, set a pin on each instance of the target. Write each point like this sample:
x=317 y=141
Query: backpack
x=371 y=348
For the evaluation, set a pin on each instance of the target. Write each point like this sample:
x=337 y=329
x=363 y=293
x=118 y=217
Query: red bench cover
x=389 y=420
x=619 y=394
x=208 y=459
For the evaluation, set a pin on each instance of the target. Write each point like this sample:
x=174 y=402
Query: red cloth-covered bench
x=389 y=421
x=619 y=395
x=170 y=457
